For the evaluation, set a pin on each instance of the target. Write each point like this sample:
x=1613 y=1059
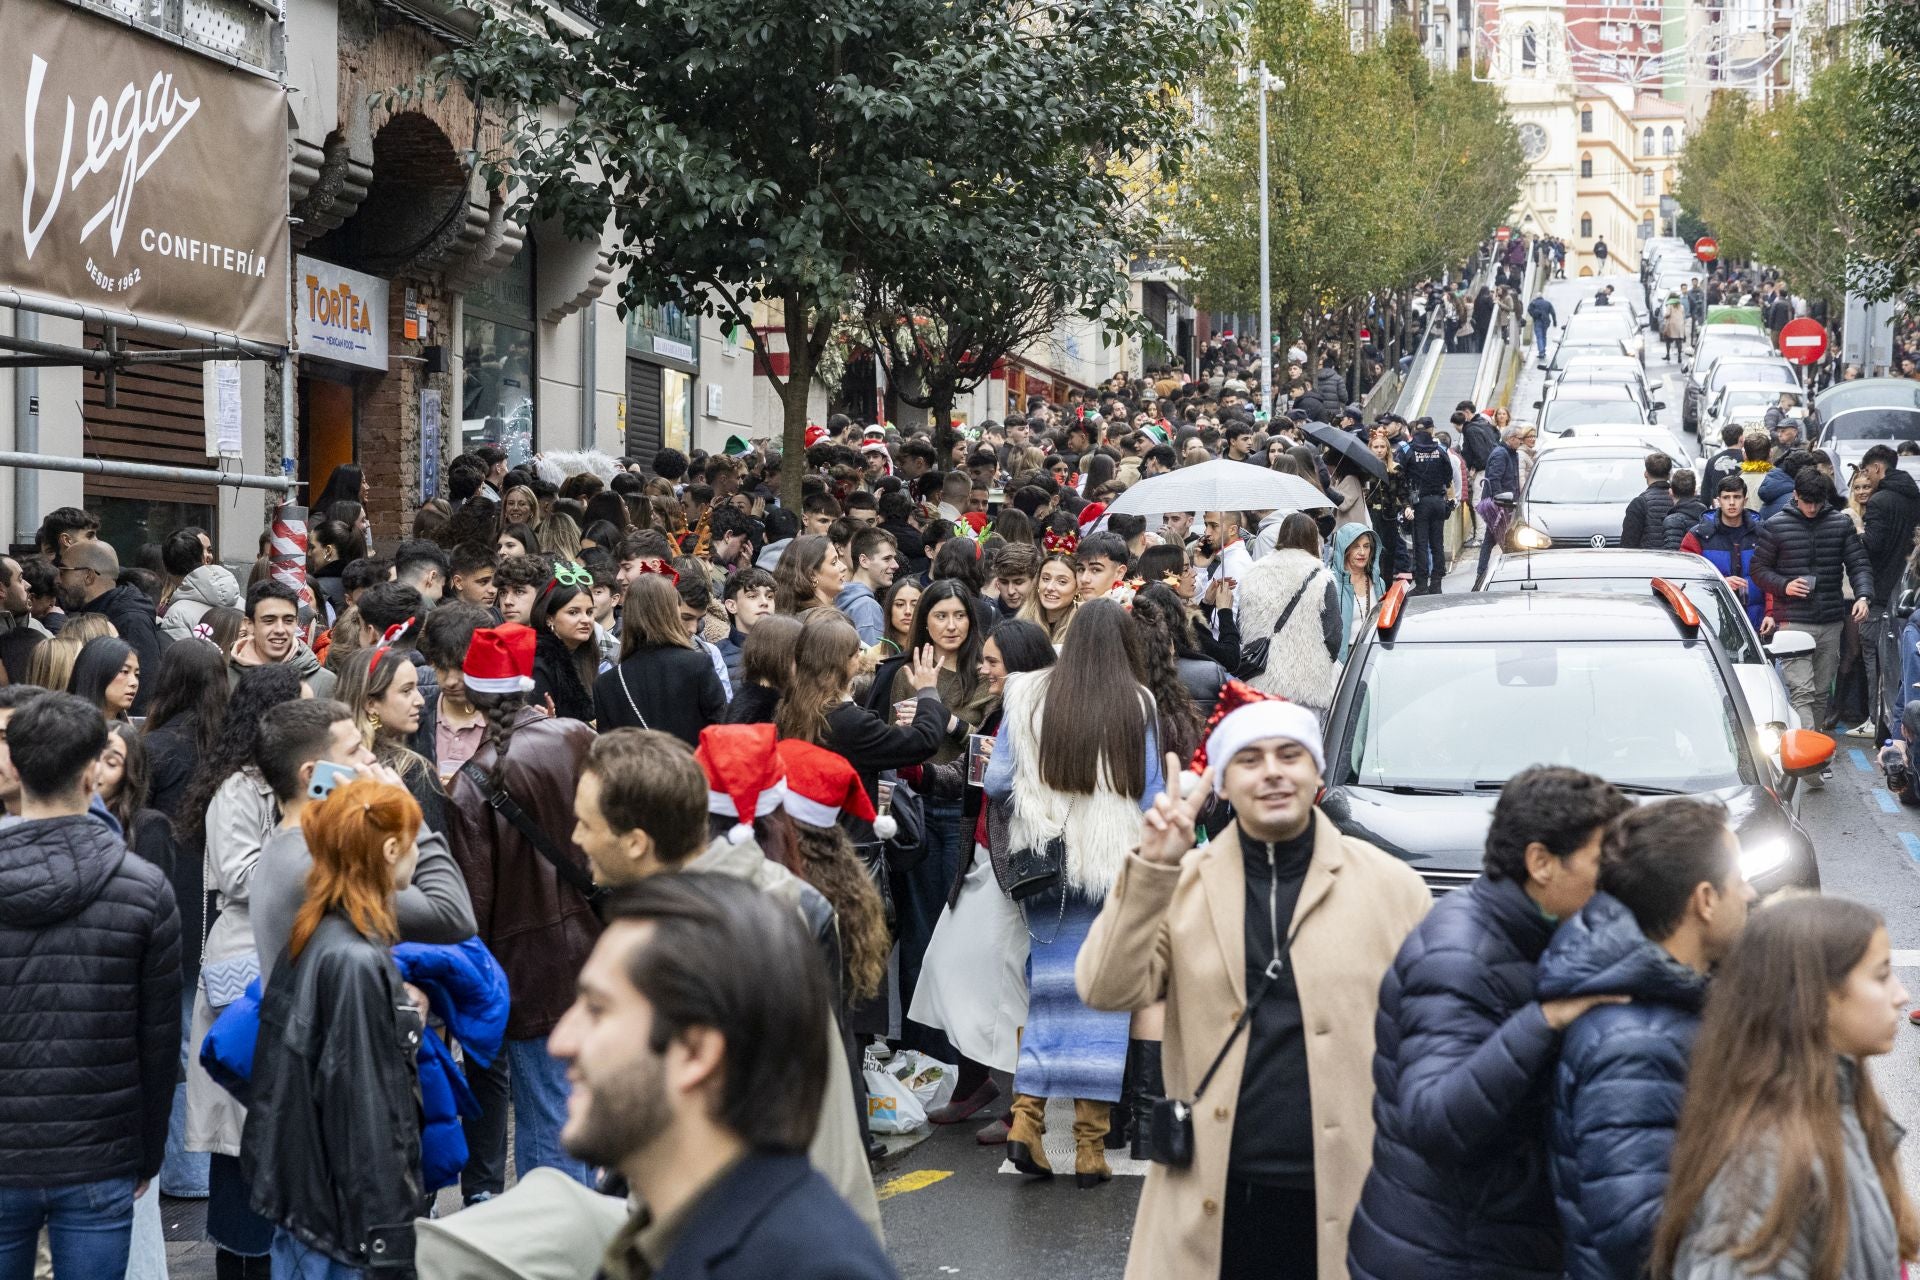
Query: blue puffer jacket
x=465 y=987
x=1618 y=1088
x=1776 y=489
x=1458 y=1189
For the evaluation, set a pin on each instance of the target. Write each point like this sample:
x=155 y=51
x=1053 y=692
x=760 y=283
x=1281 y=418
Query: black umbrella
x=1347 y=445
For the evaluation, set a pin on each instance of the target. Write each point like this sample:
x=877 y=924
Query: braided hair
x=501 y=710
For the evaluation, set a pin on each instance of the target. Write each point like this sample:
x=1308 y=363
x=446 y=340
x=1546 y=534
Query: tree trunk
x=940 y=413
x=793 y=402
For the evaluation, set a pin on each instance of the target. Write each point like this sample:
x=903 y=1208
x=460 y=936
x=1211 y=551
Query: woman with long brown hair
x=567 y=661
x=1784 y=1163
x=810 y=573
x=382 y=689
x=337 y=1030
x=663 y=681
x=1076 y=757
x=766 y=669
x=1055 y=598
x=815 y=709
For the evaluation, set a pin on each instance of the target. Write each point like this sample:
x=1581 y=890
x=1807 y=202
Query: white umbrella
x=1220 y=485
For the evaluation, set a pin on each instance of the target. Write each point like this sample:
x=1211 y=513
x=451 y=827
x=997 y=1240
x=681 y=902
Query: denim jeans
x=540 y=1111
x=184 y=1173
x=89 y=1228
x=1540 y=337
x=293 y=1260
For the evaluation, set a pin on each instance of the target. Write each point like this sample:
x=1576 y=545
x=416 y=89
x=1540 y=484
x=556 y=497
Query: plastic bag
x=930 y=1079
x=891 y=1104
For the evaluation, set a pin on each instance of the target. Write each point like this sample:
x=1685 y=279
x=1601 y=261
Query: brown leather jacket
x=539 y=929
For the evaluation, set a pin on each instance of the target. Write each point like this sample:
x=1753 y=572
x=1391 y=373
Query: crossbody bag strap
x=505 y=805
x=1292 y=604
x=631 y=704
x=1272 y=975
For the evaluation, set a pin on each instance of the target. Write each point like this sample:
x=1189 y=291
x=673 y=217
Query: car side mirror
x=1802 y=751
x=1789 y=644
x=1538 y=403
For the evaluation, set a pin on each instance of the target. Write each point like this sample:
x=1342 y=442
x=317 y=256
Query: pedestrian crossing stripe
x=918 y=1180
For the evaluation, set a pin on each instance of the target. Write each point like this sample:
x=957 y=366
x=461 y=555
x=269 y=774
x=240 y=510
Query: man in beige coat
x=1199 y=929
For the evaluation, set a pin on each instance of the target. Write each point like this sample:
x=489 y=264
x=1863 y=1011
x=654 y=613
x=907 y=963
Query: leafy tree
x=795 y=151
x=1380 y=172
x=1886 y=192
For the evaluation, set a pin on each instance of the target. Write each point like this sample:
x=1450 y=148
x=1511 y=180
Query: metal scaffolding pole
x=144 y=471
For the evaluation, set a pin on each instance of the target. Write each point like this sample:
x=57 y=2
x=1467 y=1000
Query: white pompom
x=1189 y=782
x=739 y=833
x=885 y=827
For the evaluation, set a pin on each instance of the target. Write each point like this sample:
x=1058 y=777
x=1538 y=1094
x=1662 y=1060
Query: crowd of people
x=622 y=807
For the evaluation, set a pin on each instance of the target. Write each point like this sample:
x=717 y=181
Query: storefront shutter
x=644 y=436
x=157 y=419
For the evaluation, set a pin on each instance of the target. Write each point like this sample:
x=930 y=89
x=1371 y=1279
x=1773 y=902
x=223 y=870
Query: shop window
x=497 y=362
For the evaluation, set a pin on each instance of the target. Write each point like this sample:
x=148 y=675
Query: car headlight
x=1757 y=860
x=1770 y=734
x=1527 y=538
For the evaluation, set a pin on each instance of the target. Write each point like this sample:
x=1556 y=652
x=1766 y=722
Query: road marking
x=1912 y=842
x=1906 y=959
x=918 y=1180
x=1860 y=760
x=1887 y=803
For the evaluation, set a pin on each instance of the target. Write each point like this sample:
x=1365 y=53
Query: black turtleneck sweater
x=1273 y=1123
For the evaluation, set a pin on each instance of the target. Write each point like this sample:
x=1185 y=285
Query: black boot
x=1148 y=1088
x=1122 y=1113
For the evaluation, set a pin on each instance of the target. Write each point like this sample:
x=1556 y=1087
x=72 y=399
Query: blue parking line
x=1887 y=803
x=1912 y=842
x=1860 y=760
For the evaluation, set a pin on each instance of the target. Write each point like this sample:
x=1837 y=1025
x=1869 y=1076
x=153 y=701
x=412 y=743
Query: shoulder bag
x=1170 y=1131
x=1253 y=654
x=564 y=867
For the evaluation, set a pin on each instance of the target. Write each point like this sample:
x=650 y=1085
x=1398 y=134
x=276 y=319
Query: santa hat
x=1243 y=715
x=821 y=783
x=1091 y=512
x=815 y=434
x=879 y=447
x=500 y=660
x=744 y=777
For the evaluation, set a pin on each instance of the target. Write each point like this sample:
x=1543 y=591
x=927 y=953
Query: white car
x=1746 y=404
x=1649 y=436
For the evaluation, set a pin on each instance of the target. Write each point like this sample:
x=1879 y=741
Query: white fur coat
x=1100 y=829
x=1298 y=665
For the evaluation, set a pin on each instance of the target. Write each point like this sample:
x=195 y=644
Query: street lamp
x=1268 y=82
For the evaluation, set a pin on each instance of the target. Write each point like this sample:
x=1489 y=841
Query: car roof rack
x=1390 y=606
x=1676 y=600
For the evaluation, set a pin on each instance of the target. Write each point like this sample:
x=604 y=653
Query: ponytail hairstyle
x=501 y=710
x=347 y=834
x=824 y=858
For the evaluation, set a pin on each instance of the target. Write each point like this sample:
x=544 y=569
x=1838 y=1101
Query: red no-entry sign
x=1706 y=248
x=1503 y=235
x=1803 y=341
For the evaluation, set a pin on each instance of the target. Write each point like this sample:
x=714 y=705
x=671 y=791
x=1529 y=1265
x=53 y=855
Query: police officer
x=1430 y=481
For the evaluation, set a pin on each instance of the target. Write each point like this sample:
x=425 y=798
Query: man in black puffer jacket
x=1798 y=559
x=89 y=998
x=1464 y=1052
x=1892 y=514
x=1687 y=511
x=1643 y=528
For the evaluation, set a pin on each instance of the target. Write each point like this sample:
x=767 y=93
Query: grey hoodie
x=209 y=587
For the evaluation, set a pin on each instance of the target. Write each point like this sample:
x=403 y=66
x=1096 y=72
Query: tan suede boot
x=1025 y=1135
x=1090 y=1121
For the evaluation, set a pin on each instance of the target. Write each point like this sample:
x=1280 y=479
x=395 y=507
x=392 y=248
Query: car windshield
x=1875 y=424
x=1744 y=406
x=1714 y=600
x=1598 y=480
x=1574 y=350
x=1715 y=345
x=1561 y=414
x=1465 y=717
x=1741 y=371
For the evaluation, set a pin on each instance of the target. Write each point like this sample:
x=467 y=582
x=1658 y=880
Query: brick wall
x=390 y=411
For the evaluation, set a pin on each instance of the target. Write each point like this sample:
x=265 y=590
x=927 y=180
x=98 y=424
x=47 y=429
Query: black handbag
x=1034 y=871
x=1253 y=655
x=906 y=848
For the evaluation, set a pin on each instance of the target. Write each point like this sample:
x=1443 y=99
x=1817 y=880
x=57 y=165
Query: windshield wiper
x=1407 y=789
x=1645 y=789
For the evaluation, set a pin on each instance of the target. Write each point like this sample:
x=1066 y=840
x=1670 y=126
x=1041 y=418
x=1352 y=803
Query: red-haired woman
x=331 y=1149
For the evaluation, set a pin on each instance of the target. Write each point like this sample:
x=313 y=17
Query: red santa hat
x=1244 y=715
x=815 y=434
x=1091 y=513
x=821 y=784
x=500 y=660
x=744 y=775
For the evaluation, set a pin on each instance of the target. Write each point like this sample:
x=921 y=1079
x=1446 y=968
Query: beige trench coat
x=1178 y=934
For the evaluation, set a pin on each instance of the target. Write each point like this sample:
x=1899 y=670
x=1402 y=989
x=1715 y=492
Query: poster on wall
x=142 y=177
